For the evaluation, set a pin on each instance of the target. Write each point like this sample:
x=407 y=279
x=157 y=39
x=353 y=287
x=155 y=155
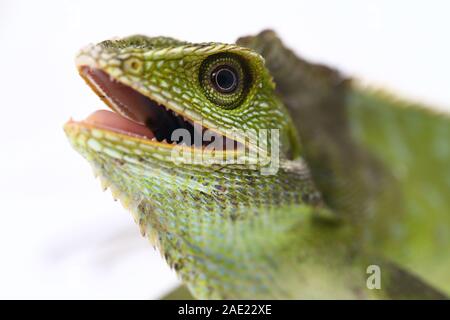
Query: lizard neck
x=219 y=227
x=351 y=179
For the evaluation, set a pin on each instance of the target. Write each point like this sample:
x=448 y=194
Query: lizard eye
x=224 y=79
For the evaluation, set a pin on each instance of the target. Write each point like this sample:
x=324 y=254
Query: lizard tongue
x=113 y=121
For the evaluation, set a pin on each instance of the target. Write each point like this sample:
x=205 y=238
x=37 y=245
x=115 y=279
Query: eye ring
x=225 y=79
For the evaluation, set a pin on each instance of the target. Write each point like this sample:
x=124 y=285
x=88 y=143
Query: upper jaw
x=139 y=112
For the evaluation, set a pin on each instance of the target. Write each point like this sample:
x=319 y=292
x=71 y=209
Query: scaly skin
x=228 y=230
x=399 y=153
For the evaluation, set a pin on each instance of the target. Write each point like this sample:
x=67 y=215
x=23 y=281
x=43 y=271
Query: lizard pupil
x=225 y=79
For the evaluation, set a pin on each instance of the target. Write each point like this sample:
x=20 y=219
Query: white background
x=60 y=236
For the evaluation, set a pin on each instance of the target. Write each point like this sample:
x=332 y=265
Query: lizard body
x=309 y=230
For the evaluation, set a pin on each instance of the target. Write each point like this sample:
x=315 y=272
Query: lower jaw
x=116 y=127
x=112 y=121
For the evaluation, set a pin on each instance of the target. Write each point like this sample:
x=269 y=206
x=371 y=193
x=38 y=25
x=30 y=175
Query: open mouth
x=139 y=116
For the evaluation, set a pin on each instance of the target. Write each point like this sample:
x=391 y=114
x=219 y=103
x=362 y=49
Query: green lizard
x=360 y=177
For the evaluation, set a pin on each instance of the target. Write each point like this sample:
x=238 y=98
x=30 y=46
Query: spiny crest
x=142 y=42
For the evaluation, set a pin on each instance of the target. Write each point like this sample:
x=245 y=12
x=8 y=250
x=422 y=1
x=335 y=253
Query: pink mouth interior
x=121 y=98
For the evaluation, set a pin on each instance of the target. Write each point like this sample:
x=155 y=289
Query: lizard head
x=156 y=86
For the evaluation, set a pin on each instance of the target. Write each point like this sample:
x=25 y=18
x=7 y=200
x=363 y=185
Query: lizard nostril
x=133 y=65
